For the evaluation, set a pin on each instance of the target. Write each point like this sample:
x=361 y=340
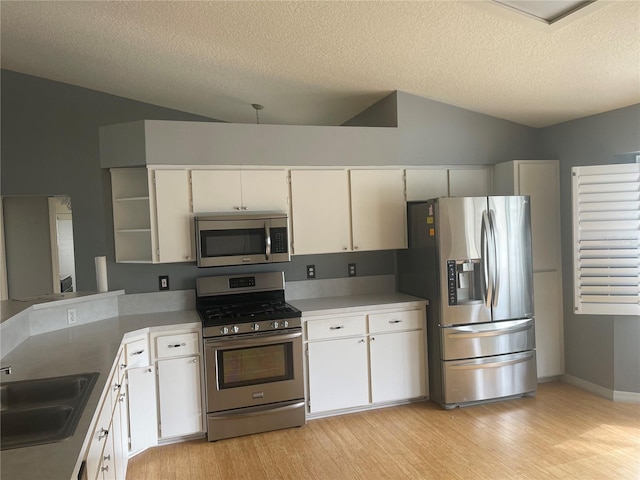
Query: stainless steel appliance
x=471 y=257
x=252 y=355
x=241 y=238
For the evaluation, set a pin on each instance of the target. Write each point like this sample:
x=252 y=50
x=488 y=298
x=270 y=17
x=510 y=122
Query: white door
x=143 y=413
x=173 y=213
x=338 y=374
x=179 y=396
x=265 y=191
x=216 y=191
x=549 y=330
x=378 y=209
x=320 y=211
x=397 y=366
x=541 y=182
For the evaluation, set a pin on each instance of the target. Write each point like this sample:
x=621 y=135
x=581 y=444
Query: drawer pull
x=395 y=321
x=123 y=366
x=177 y=345
x=107 y=457
x=116 y=387
x=362 y=340
x=103 y=433
x=139 y=352
x=105 y=468
x=338 y=327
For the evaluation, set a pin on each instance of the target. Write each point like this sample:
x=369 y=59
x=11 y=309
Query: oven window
x=255 y=365
x=230 y=243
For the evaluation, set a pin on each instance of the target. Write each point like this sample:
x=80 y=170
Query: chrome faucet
x=6 y=370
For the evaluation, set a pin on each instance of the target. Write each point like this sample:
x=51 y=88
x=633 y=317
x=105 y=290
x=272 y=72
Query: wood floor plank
x=563 y=432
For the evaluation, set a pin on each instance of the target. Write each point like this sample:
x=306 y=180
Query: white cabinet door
x=265 y=191
x=179 y=396
x=549 y=330
x=216 y=191
x=320 y=211
x=172 y=199
x=540 y=180
x=338 y=374
x=143 y=413
x=469 y=182
x=424 y=184
x=378 y=209
x=397 y=366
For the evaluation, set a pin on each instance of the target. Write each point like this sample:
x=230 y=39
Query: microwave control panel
x=279 y=240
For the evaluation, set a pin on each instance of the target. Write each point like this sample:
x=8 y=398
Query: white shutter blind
x=606 y=239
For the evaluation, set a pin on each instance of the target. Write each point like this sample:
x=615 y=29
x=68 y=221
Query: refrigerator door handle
x=486 y=267
x=496 y=270
x=522 y=357
x=489 y=333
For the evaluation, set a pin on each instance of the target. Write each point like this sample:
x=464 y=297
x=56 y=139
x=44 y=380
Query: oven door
x=253 y=370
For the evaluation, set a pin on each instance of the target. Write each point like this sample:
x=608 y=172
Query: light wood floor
x=562 y=433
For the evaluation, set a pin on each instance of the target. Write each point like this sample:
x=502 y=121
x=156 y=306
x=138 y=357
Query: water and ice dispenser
x=464 y=285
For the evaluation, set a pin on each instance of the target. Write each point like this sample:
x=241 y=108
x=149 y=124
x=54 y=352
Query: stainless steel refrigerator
x=471 y=258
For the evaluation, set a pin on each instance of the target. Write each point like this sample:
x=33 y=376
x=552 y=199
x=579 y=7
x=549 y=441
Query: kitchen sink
x=44 y=410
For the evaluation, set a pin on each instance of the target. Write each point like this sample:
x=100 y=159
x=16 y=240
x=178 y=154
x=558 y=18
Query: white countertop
x=354 y=303
x=85 y=348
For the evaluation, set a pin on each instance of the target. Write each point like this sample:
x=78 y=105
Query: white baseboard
x=609 y=394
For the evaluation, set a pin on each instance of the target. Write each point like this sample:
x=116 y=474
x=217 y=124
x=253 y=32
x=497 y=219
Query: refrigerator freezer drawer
x=482 y=340
x=488 y=378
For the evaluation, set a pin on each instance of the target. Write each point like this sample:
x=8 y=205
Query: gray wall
x=600 y=349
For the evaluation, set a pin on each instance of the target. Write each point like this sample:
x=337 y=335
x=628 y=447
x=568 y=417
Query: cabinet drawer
x=336 y=327
x=136 y=353
x=397 y=321
x=177 y=345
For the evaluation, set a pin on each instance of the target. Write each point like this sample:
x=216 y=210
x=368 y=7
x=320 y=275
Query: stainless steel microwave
x=241 y=239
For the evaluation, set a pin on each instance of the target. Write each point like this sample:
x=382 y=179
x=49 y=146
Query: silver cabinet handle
x=362 y=340
x=107 y=457
x=395 y=321
x=177 y=345
x=123 y=365
x=373 y=339
x=338 y=327
x=121 y=399
x=103 y=433
x=116 y=387
x=105 y=468
x=139 y=352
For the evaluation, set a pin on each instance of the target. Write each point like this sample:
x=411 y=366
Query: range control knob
x=235 y=329
x=285 y=324
x=274 y=325
x=255 y=327
x=224 y=330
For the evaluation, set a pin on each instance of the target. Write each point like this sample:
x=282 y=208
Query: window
x=606 y=239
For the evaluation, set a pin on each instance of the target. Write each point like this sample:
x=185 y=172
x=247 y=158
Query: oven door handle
x=252 y=341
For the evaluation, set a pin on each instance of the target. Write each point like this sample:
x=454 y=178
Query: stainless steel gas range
x=253 y=355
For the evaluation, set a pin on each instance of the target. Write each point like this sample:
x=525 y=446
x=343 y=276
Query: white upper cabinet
x=424 y=184
x=173 y=216
x=151 y=215
x=470 y=182
x=320 y=211
x=378 y=209
x=239 y=190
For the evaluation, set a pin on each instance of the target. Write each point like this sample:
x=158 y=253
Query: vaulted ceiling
x=320 y=63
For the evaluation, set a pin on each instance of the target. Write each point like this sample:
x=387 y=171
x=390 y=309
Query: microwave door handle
x=267 y=240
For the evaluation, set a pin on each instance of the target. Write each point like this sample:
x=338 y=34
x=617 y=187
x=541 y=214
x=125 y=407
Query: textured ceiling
x=320 y=63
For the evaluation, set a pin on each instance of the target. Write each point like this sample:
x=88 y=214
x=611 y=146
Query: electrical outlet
x=71 y=316
x=311 y=271
x=352 y=269
x=163 y=281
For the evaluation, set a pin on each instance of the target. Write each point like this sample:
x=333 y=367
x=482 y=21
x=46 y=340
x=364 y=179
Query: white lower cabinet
x=338 y=374
x=358 y=361
x=397 y=366
x=179 y=396
x=143 y=414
